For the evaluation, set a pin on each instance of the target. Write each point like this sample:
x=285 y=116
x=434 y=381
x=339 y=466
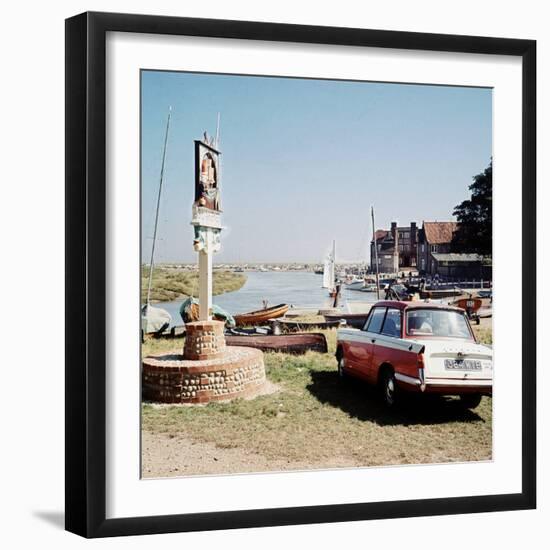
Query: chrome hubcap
x=390 y=390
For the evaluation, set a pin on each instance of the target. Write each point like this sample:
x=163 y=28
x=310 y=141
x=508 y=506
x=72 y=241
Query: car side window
x=392 y=323
x=375 y=320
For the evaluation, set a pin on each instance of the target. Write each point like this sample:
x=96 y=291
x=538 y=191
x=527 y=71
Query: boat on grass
x=287 y=325
x=355 y=320
x=189 y=312
x=284 y=343
x=261 y=315
x=154 y=320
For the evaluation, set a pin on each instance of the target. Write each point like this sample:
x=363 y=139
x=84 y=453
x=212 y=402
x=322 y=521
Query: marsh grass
x=175 y=283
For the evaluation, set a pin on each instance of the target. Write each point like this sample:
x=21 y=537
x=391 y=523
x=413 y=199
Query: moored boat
x=261 y=315
x=357 y=284
x=285 y=343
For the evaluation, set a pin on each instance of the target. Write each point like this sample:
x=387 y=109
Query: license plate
x=462 y=364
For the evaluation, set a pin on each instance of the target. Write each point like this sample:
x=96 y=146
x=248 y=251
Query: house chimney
x=414 y=233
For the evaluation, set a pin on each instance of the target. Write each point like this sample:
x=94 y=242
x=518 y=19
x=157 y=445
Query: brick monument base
x=204 y=340
x=207 y=370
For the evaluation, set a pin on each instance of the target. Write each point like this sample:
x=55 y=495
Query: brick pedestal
x=204 y=340
x=171 y=378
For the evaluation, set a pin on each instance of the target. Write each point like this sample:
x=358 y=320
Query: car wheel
x=470 y=400
x=390 y=391
x=341 y=372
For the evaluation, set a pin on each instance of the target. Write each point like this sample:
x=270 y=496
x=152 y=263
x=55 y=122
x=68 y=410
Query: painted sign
x=207 y=172
x=206 y=206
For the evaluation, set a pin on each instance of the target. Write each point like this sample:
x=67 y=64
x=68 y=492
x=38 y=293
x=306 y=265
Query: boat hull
x=355 y=320
x=261 y=315
x=285 y=343
x=291 y=326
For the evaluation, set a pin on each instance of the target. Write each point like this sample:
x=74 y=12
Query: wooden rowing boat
x=355 y=320
x=285 y=343
x=261 y=315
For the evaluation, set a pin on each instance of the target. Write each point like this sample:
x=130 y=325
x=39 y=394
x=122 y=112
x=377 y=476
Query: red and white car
x=418 y=347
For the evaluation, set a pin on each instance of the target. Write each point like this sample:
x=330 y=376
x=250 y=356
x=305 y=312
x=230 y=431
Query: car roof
x=416 y=304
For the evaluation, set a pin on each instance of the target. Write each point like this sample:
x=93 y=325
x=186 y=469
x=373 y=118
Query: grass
x=484 y=334
x=316 y=418
x=173 y=283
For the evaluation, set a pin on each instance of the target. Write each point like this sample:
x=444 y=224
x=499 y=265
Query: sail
x=328 y=272
x=327 y=277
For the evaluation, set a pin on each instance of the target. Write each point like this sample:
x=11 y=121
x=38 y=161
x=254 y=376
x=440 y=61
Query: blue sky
x=303 y=160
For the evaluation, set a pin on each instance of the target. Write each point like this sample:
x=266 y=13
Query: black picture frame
x=86 y=279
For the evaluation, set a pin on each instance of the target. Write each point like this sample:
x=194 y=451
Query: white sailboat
x=329 y=272
x=156 y=319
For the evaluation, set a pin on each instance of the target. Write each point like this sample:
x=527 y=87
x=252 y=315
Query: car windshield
x=437 y=322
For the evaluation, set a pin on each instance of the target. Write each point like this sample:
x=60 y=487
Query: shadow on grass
x=360 y=400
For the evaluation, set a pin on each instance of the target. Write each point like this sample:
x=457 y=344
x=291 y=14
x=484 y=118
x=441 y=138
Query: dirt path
x=165 y=456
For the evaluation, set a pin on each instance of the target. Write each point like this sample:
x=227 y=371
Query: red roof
x=380 y=234
x=439 y=232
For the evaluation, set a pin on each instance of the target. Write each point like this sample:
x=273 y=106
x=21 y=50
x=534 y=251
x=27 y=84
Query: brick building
x=397 y=248
x=433 y=238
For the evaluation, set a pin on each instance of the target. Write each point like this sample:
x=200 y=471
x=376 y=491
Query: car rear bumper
x=446 y=386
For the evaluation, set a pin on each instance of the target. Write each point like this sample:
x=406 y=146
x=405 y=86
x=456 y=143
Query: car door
x=387 y=344
x=363 y=351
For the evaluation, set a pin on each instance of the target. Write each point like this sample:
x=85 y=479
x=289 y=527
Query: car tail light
x=420 y=365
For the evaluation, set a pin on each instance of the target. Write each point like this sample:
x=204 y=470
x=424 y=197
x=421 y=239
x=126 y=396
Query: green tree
x=475 y=217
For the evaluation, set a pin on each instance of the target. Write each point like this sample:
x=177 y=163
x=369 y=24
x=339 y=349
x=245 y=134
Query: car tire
x=470 y=400
x=390 y=391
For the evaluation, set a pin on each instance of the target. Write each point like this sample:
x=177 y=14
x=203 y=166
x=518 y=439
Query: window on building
x=434 y=248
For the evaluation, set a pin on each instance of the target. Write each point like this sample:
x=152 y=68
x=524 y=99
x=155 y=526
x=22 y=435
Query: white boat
x=357 y=284
x=154 y=319
x=329 y=271
x=369 y=287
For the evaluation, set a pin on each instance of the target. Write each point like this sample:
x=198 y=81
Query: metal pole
x=375 y=253
x=151 y=263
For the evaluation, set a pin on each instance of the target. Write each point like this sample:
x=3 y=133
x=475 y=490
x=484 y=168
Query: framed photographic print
x=293 y=293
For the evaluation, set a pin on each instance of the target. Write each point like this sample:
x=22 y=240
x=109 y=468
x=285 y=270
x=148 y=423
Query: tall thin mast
x=334 y=264
x=151 y=263
x=375 y=252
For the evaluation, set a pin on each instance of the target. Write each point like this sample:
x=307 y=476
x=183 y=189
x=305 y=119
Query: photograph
x=316 y=274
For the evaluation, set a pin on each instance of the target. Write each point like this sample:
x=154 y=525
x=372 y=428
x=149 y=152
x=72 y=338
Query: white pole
x=205 y=284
